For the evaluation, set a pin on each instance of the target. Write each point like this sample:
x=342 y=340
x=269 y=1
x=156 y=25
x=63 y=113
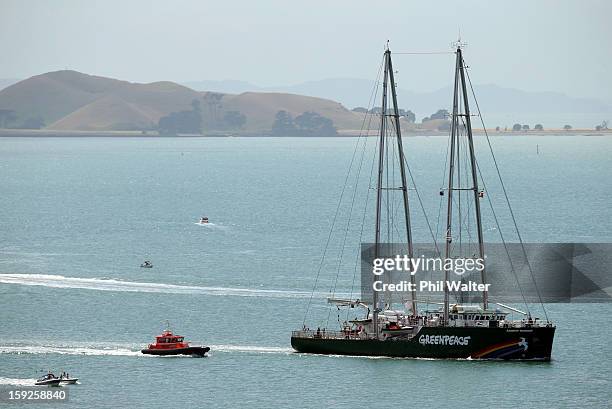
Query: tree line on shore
x=442 y=115
x=9 y=119
x=211 y=117
x=305 y=124
x=603 y=126
x=208 y=114
x=196 y=120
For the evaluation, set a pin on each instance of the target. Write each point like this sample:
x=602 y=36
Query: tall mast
x=379 y=187
x=468 y=124
x=451 y=172
x=404 y=186
x=388 y=77
x=460 y=79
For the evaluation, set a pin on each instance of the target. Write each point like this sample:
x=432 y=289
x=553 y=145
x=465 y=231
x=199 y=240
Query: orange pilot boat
x=171 y=344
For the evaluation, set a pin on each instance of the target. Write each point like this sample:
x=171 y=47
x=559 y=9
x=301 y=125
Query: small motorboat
x=66 y=379
x=147 y=264
x=203 y=220
x=168 y=344
x=48 y=380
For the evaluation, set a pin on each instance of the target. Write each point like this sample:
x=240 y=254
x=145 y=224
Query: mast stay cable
x=503 y=186
x=337 y=211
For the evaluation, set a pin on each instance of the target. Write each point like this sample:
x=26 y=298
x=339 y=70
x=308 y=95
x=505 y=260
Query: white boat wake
x=66 y=350
x=126 y=349
x=99 y=284
x=17 y=381
x=250 y=349
x=212 y=226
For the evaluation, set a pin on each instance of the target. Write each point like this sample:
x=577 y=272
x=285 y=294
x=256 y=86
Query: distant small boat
x=203 y=220
x=147 y=264
x=48 y=380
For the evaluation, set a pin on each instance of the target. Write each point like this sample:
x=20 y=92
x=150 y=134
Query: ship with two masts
x=453 y=328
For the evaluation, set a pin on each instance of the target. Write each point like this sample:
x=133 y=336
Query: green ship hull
x=439 y=343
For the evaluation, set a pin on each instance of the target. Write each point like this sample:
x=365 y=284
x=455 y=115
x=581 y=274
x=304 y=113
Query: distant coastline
x=45 y=133
x=70 y=103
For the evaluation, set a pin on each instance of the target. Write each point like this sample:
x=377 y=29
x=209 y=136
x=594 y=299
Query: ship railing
x=325 y=334
x=524 y=324
x=485 y=323
x=500 y=324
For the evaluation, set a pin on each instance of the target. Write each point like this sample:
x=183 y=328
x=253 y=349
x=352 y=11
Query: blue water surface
x=79 y=215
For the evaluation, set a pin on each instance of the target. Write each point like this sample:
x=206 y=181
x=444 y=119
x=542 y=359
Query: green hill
x=70 y=100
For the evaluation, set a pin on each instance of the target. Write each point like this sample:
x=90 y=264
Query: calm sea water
x=78 y=216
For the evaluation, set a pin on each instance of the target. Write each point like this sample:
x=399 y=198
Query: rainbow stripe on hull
x=503 y=350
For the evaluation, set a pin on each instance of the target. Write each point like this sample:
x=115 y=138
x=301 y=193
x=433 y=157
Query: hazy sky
x=534 y=45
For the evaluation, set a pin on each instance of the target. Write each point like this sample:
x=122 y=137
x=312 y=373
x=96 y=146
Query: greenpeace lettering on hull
x=443 y=340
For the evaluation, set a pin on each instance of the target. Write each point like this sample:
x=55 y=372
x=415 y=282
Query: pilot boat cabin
x=168 y=340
